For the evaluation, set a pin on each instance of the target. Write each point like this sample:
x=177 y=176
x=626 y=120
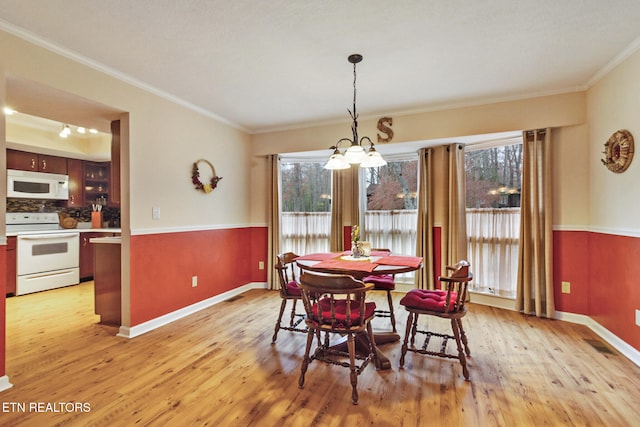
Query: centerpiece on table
x=356 y=248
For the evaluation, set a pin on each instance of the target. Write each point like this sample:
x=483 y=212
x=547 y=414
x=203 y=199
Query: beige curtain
x=454 y=227
x=344 y=198
x=273 y=240
x=336 y=242
x=424 y=240
x=534 y=292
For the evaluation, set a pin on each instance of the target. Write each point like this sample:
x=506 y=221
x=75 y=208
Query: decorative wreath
x=195 y=177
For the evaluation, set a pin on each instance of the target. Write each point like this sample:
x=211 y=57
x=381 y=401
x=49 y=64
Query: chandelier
x=355 y=153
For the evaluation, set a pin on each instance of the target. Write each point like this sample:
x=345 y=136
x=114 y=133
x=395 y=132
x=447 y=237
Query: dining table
x=377 y=263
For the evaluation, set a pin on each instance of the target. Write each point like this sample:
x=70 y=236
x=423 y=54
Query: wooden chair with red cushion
x=446 y=303
x=387 y=283
x=289 y=291
x=335 y=304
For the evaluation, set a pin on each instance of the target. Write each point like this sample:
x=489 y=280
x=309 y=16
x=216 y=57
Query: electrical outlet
x=566 y=287
x=261 y=265
x=194 y=281
x=638 y=317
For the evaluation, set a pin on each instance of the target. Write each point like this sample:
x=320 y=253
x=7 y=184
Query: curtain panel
x=493 y=235
x=454 y=228
x=273 y=220
x=424 y=278
x=535 y=269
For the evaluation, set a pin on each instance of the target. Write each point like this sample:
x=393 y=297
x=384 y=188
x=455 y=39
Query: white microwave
x=37 y=185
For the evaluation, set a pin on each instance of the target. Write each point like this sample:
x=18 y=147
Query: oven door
x=37 y=253
x=47 y=261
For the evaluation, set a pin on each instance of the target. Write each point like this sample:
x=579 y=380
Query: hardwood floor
x=219 y=368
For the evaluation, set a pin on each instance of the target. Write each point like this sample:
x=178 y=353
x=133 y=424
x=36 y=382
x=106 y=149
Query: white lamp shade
x=355 y=154
x=337 y=161
x=373 y=159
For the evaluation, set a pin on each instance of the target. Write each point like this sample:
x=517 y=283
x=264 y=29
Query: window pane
x=306 y=187
x=393 y=186
x=494 y=177
x=305 y=207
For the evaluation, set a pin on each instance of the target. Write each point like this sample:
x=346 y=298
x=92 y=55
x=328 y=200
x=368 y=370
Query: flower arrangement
x=195 y=178
x=355 y=234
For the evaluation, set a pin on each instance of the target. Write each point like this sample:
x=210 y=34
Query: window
x=493 y=184
x=390 y=207
x=305 y=206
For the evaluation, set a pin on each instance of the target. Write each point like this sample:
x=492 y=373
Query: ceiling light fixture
x=81 y=129
x=65 y=132
x=355 y=154
x=8 y=111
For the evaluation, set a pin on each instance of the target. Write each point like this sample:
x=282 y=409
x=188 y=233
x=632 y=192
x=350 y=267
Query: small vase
x=356 y=252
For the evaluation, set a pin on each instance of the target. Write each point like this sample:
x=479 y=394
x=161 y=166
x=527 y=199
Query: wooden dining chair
x=446 y=303
x=289 y=291
x=335 y=304
x=386 y=283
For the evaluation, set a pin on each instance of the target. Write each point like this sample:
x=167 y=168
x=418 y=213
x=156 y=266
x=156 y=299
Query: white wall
x=613 y=104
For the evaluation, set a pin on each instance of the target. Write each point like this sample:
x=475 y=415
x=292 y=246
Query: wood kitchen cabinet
x=76 y=182
x=106 y=283
x=87 y=253
x=11 y=265
x=114 y=186
x=22 y=160
x=96 y=182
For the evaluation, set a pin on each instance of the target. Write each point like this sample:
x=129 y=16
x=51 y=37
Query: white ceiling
x=265 y=65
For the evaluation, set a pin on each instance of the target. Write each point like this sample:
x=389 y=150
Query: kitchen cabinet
x=22 y=160
x=96 y=182
x=75 y=169
x=11 y=265
x=87 y=253
x=114 y=186
x=106 y=282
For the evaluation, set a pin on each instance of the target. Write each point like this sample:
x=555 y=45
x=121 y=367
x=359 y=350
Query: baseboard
x=628 y=351
x=134 y=331
x=4 y=383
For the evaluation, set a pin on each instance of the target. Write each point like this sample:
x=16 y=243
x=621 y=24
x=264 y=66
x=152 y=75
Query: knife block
x=96 y=219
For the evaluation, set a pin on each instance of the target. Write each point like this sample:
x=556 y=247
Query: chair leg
x=305 y=359
x=351 y=345
x=414 y=329
x=275 y=333
x=372 y=345
x=464 y=337
x=405 y=344
x=293 y=313
x=391 y=312
x=463 y=360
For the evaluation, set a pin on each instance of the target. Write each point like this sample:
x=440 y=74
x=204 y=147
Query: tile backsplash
x=82 y=214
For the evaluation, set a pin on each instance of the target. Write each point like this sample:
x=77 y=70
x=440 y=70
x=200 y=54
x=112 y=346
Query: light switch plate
x=155 y=213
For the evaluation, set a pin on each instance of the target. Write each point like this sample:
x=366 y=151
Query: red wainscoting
x=614 y=291
x=571 y=264
x=162 y=266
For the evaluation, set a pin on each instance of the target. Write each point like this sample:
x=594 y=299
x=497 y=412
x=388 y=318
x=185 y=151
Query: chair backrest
x=336 y=301
x=457 y=281
x=287 y=270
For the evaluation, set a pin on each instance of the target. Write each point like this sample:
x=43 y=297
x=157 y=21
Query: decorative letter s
x=382 y=127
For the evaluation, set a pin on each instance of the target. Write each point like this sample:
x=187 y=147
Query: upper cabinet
x=76 y=183
x=96 y=182
x=22 y=160
x=115 y=165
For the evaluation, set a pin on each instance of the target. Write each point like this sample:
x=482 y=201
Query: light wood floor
x=218 y=368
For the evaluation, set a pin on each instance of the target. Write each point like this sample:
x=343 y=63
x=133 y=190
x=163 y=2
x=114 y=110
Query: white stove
x=45 y=259
x=32 y=221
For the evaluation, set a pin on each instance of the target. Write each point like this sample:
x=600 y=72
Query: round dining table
x=377 y=264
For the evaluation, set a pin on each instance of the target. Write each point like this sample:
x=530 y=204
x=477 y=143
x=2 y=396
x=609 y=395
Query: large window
x=305 y=207
x=493 y=184
x=390 y=207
